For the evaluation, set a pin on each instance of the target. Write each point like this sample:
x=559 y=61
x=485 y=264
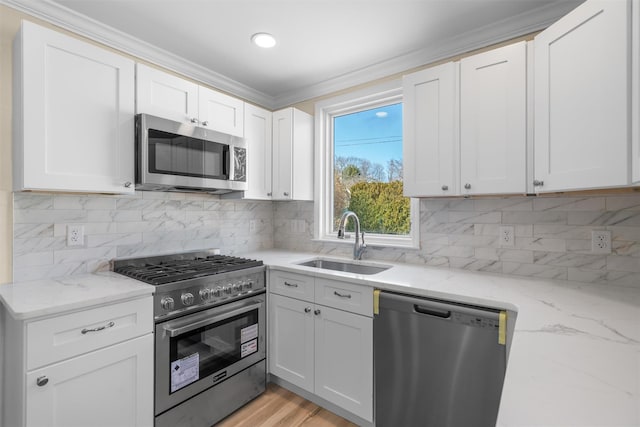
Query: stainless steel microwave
x=173 y=156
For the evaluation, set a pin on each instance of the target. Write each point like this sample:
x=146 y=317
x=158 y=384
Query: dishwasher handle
x=444 y=314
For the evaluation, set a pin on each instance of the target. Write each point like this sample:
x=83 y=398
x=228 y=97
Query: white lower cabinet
x=93 y=368
x=324 y=350
x=109 y=387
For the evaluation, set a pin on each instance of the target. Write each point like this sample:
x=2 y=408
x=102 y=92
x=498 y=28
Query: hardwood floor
x=282 y=408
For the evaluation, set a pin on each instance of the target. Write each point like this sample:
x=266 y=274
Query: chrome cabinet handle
x=286 y=194
x=99 y=328
x=467 y=186
x=307 y=309
x=316 y=311
x=445 y=187
x=336 y=293
x=42 y=381
x=205 y=123
x=269 y=194
x=127 y=184
x=537 y=183
x=194 y=120
x=292 y=285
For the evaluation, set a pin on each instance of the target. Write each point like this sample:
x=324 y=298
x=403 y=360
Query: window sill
x=372 y=241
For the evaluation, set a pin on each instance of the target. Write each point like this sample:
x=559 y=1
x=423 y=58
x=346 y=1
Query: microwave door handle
x=228 y=164
x=204 y=320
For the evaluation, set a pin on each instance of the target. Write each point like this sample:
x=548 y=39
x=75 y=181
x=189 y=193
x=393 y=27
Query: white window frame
x=325 y=111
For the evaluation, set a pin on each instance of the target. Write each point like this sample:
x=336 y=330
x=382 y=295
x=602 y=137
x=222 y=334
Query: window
x=359 y=167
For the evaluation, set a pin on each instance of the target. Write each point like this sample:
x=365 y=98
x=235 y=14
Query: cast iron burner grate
x=161 y=271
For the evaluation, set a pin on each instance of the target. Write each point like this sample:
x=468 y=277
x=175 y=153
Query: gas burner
x=194 y=280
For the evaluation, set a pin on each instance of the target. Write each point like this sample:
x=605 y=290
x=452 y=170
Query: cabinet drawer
x=345 y=296
x=291 y=285
x=59 y=338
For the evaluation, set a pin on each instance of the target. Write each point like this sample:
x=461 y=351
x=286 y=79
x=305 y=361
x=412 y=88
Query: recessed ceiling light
x=265 y=40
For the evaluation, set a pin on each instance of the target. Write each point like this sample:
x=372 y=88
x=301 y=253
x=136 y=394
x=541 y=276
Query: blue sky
x=370 y=134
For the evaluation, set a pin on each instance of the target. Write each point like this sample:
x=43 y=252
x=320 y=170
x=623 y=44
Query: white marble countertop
x=28 y=300
x=575 y=349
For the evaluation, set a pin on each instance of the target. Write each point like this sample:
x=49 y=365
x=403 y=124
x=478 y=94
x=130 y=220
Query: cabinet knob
x=205 y=123
x=194 y=120
x=127 y=184
x=537 y=183
x=269 y=194
x=307 y=309
x=286 y=194
x=42 y=381
x=445 y=187
x=467 y=186
x=316 y=311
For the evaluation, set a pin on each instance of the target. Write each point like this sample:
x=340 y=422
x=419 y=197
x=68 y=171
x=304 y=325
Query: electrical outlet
x=600 y=241
x=252 y=226
x=302 y=226
x=75 y=235
x=507 y=236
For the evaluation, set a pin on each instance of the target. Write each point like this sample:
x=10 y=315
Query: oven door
x=197 y=351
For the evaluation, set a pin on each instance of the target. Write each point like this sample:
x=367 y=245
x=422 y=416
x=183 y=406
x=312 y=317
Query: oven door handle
x=180 y=328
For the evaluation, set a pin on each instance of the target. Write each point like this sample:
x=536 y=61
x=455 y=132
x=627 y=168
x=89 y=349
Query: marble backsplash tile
x=552 y=236
x=146 y=223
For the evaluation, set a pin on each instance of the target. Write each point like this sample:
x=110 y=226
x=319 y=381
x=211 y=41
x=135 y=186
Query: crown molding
x=500 y=31
x=68 y=19
x=497 y=32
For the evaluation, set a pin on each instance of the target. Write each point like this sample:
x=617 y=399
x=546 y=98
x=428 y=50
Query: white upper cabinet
x=582 y=98
x=292 y=155
x=73 y=115
x=172 y=97
x=430 y=133
x=221 y=112
x=493 y=121
x=257 y=132
x=165 y=95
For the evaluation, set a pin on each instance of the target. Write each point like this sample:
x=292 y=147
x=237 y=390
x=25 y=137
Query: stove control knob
x=187 y=298
x=247 y=285
x=205 y=294
x=217 y=292
x=235 y=288
x=227 y=289
x=167 y=303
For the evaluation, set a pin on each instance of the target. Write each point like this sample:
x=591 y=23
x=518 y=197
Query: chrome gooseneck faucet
x=358 y=246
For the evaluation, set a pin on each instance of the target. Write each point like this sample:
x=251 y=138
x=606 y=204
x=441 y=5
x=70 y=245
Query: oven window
x=181 y=155
x=208 y=350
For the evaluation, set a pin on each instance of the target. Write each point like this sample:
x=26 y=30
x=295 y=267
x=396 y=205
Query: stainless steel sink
x=346 y=266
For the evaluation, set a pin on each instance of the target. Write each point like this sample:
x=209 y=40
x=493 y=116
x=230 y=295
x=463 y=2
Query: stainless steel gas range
x=210 y=336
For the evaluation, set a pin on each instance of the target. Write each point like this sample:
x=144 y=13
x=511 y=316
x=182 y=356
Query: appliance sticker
x=249 y=333
x=185 y=371
x=248 y=348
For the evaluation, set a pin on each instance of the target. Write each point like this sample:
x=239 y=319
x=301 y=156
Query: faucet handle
x=364 y=245
x=340 y=233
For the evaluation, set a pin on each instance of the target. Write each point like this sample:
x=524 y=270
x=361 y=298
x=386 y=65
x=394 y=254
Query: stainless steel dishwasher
x=437 y=363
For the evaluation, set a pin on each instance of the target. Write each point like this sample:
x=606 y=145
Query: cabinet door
x=344 y=360
x=635 y=96
x=220 y=112
x=257 y=132
x=104 y=388
x=291 y=340
x=493 y=121
x=165 y=95
x=302 y=143
x=430 y=137
x=581 y=98
x=74 y=115
x=282 y=154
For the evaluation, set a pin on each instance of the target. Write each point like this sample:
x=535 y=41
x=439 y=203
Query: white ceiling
x=323 y=45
